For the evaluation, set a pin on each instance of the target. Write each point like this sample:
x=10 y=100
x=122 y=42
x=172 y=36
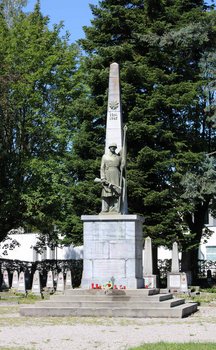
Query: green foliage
x=159 y=46
x=53 y=113
x=38 y=86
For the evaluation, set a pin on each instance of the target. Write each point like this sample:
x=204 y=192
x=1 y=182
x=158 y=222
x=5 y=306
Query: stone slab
x=36 y=284
x=113 y=249
x=177 y=282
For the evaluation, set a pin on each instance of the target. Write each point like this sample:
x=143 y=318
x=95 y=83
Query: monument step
x=112 y=304
x=128 y=292
x=175 y=312
x=111 y=297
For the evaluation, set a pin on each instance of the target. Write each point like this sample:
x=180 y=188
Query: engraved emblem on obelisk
x=114 y=105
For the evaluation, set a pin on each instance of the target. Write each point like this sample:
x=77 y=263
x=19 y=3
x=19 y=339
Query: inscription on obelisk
x=114 y=114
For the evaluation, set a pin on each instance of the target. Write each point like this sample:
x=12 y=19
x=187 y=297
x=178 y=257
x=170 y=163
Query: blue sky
x=74 y=13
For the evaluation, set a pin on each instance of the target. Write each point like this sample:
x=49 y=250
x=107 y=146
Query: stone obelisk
x=114 y=129
x=176 y=280
x=113 y=241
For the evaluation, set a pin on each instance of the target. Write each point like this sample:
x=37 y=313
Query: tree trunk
x=189 y=264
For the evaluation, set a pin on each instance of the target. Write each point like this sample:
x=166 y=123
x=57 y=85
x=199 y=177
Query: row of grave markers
x=19 y=281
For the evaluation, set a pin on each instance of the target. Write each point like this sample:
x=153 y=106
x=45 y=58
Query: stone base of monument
x=111 y=303
x=151 y=281
x=112 y=251
x=177 y=282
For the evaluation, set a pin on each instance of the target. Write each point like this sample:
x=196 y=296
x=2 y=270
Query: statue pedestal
x=113 y=250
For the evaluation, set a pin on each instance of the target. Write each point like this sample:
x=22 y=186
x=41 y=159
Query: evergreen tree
x=159 y=46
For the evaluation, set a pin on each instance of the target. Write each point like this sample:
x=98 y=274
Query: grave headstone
x=68 y=282
x=50 y=280
x=176 y=280
x=60 y=282
x=15 y=279
x=150 y=280
x=5 y=280
x=175 y=258
x=36 y=283
x=22 y=283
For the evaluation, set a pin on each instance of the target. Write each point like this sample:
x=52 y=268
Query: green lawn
x=174 y=346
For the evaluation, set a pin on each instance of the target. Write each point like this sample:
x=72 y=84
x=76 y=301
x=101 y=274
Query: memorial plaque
x=109 y=268
x=175 y=281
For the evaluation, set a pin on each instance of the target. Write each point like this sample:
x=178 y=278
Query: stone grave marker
x=68 y=282
x=22 y=283
x=150 y=280
x=50 y=280
x=15 y=280
x=176 y=280
x=5 y=280
x=36 y=284
x=175 y=258
x=60 y=282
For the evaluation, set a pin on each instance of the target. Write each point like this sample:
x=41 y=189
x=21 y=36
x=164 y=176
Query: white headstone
x=148 y=263
x=5 y=281
x=36 y=284
x=175 y=258
x=68 y=282
x=22 y=282
x=50 y=280
x=114 y=114
x=60 y=282
x=15 y=280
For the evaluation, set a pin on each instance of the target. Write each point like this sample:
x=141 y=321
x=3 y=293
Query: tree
x=198 y=199
x=159 y=46
x=11 y=9
x=38 y=85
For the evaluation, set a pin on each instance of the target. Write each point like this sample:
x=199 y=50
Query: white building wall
x=25 y=251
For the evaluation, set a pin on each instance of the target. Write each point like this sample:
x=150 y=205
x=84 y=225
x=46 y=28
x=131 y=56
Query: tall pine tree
x=159 y=46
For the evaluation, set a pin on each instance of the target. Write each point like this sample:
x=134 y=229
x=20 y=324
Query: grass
x=174 y=346
x=20 y=298
x=202 y=298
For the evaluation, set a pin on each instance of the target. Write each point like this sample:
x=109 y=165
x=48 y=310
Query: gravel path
x=101 y=333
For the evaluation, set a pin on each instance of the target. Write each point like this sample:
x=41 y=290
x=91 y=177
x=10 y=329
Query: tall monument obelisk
x=114 y=128
x=112 y=241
